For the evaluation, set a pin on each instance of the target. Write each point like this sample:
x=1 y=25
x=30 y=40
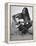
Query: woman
x=27 y=23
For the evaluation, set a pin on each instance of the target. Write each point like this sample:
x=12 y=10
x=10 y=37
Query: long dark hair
x=26 y=12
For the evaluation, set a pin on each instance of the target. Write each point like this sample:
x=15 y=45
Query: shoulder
x=18 y=14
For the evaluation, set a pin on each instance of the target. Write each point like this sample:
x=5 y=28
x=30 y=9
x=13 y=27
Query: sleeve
x=14 y=17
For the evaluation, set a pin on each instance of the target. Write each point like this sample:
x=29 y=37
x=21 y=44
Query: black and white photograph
x=21 y=23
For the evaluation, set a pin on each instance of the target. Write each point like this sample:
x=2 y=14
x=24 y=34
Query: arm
x=14 y=17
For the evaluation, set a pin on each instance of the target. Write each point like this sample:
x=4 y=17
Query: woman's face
x=23 y=11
